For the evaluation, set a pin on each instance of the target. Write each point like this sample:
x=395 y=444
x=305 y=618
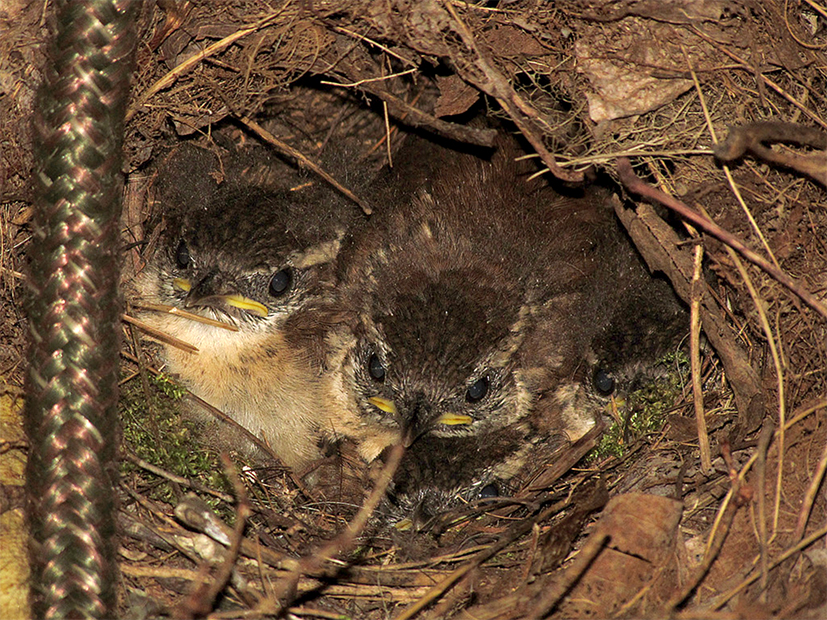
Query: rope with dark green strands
x=73 y=309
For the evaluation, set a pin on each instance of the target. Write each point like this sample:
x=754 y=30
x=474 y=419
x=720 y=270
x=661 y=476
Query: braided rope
x=73 y=313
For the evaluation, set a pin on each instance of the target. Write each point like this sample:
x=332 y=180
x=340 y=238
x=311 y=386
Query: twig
x=483 y=555
x=415 y=117
x=810 y=496
x=637 y=186
x=140 y=361
x=795 y=37
x=362 y=37
x=750 y=138
x=659 y=244
x=695 y=359
x=225 y=497
x=288 y=150
x=158 y=471
x=719 y=535
x=160 y=335
x=364 y=81
x=558 y=588
x=261 y=444
x=721 y=600
x=285 y=590
x=499 y=87
x=197 y=515
x=761 y=475
x=779 y=373
x=200 y=601
x=727 y=171
x=220 y=415
x=566 y=162
x=184 y=314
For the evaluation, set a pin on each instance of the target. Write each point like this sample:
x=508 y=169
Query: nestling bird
x=249 y=257
x=482 y=305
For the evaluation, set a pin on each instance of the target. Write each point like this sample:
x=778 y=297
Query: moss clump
x=155 y=430
x=643 y=412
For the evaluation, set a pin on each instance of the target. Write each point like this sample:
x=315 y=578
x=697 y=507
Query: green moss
x=155 y=431
x=643 y=411
x=168 y=386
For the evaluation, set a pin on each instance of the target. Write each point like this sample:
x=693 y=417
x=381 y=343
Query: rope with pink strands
x=74 y=309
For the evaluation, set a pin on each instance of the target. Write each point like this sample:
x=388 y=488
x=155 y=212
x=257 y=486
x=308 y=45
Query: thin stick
x=158 y=471
x=810 y=496
x=486 y=553
x=695 y=358
x=370 y=80
x=519 y=110
x=159 y=335
x=720 y=601
x=713 y=548
x=187 y=315
x=761 y=504
x=288 y=150
x=558 y=587
x=285 y=589
x=727 y=171
x=779 y=371
x=417 y=118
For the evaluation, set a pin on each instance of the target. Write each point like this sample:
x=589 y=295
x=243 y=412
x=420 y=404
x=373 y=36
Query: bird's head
x=237 y=252
x=437 y=353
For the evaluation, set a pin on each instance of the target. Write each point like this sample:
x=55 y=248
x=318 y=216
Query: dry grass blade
x=159 y=335
x=169 y=79
x=188 y=315
x=586 y=83
x=721 y=600
x=515 y=532
x=695 y=361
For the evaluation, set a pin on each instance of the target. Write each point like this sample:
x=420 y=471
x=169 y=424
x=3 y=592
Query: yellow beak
x=453 y=419
x=246 y=304
x=238 y=301
x=384 y=404
x=183 y=284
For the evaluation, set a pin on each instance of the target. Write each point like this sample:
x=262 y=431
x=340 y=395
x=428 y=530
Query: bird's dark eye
x=477 y=391
x=375 y=368
x=280 y=282
x=604 y=383
x=182 y=255
x=489 y=491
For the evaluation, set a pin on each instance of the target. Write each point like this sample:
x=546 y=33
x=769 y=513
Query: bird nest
x=670 y=516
